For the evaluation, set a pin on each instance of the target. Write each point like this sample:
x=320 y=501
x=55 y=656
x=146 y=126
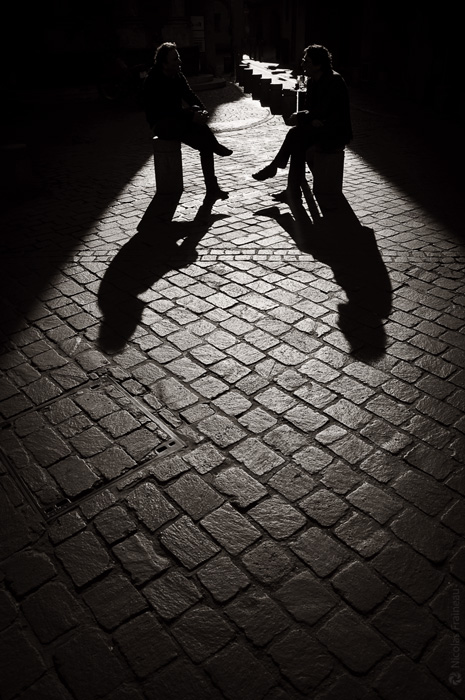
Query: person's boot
x=222 y=150
x=208 y=167
x=267 y=172
x=214 y=191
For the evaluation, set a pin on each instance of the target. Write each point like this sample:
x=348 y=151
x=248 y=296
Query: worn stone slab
x=360 y=586
x=268 y=562
x=322 y=553
x=145 y=644
x=172 y=594
x=410 y=571
x=239 y=674
x=277 y=517
x=88 y=665
x=152 y=508
x=201 y=632
x=188 y=543
x=302 y=660
x=353 y=642
x=258 y=615
x=222 y=578
x=84 y=557
x=20 y=662
x=231 y=529
x=51 y=611
x=28 y=570
x=114 y=600
x=139 y=557
x=306 y=598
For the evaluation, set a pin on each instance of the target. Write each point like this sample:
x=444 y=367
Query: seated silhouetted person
x=323 y=125
x=165 y=91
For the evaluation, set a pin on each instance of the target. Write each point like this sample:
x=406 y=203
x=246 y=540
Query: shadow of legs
x=142 y=261
x=336 y=238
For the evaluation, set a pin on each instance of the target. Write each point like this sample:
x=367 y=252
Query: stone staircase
x=273 y=86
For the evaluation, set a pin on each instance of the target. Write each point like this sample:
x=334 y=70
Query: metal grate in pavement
x=71 y=448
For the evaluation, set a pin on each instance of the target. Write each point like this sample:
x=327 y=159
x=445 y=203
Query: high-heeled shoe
x=265 y=173
x=223 y=151
x=216 y=192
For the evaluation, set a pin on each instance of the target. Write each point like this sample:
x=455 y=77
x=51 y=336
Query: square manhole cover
x=82 y=442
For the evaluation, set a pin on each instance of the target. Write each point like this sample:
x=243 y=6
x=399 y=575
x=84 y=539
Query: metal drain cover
x=67 y=449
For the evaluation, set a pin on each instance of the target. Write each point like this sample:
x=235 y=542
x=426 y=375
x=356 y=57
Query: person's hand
x=201 y=117
x=292 y=119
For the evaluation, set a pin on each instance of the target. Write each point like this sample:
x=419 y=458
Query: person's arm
x=332 y=103
x=189 y=96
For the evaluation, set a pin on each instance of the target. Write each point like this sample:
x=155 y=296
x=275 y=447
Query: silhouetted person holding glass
x=324 y=124
x=165 y=90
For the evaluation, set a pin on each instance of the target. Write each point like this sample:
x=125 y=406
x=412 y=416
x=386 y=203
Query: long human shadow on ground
x=335 y=237
x=142 y=261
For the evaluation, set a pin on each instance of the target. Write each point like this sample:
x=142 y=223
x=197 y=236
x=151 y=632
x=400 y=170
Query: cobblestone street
x=232 y=436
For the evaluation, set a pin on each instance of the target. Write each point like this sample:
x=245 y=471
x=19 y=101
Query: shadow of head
x=159 y=246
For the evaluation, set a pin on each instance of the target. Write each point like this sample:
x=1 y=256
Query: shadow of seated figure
x=338 y=240
x=146 y=258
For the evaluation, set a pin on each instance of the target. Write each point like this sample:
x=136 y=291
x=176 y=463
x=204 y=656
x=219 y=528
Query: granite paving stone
x=187 y=542
x=194 y=495
x=242 y=489
x=113 y=600
x=27 y=570
x=84 y=557
x=180 y=679
x=139 y=557
x=376 y=502
x=291 y=482
x=13 y=645
x=239 y=674
x=47 y=687
x=324 y=507
x=285 y=439
x=145 y=644
x=231 y=529
x=51 y=611
x=321 y=552
x=9 y=611
x=362 y=534
x=153 y=509
x=352 y=641
x=231 y=370
x=407 y=569
x=172 y=594
x=221 y=430
x=360 y=586
x=423 y=534
x=401 y=621
x=115 y=524
x=222 y=578
x=204 y=458
x=201 y=631
x=258 y=458
x=403 y=676
x=277 y=517
x=306 y=598
x=302 y=660
x=258 y=615
x=88 y=665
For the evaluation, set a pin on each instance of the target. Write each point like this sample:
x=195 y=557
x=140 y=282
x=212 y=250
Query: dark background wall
x=412 y=49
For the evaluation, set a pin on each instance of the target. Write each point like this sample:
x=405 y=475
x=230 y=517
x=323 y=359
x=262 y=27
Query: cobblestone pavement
x=233 y=437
